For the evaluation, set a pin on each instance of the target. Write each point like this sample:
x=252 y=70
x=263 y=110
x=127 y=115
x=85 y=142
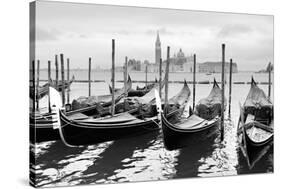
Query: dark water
x=144 y=157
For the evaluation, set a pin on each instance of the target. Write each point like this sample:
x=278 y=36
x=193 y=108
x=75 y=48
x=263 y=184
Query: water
x=144 y=157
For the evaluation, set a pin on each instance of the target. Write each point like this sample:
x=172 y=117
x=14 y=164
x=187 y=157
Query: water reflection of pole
x=167 y=78
x=222 y=95
x=89 y=75
x=269 y=79
x=113 y=77
x=194 y=79
x=160 y=77
x=230 y=89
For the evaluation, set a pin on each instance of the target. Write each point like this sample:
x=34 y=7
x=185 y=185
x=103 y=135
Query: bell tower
x=157 y=49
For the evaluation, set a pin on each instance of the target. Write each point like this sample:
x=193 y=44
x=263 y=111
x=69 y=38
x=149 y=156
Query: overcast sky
x=81 y=31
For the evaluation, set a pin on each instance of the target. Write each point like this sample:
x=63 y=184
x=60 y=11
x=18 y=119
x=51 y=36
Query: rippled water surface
x=144 y=157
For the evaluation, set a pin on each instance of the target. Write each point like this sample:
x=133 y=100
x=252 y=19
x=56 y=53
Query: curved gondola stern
x=253 y=82
x=215 y=83
x=110 y=89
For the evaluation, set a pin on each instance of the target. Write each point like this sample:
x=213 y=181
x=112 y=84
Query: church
x=178 y=63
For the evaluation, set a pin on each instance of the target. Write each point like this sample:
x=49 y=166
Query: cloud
x=47 y=35
x=162 y=31
x=234 y=30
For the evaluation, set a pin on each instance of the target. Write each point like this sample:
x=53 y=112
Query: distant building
x=216 y=67
x=181 y=63
x=134 y=65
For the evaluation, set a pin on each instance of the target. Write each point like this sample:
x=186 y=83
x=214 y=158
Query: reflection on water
x=141 y=158
x=144 y=157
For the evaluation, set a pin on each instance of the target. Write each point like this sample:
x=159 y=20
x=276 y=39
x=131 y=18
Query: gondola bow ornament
x=158 y=104
x=56 y=105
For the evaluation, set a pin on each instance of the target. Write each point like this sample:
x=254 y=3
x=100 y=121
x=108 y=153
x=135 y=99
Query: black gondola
x=90 y=131
x=209 y=107
x=41 y=125
x=138 y=92
x=255 y=127
x=179 y=133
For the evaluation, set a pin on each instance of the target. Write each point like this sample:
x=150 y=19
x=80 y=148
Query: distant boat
x=209 y=73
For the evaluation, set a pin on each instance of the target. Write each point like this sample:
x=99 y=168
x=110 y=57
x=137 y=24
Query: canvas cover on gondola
x=210 y=106
x=256 y=99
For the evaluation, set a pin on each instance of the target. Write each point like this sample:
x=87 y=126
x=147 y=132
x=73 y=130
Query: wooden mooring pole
x=37 y=85
x=67 y=76
x=160 y=78
x=194 y=79
x=49 y=82
x=57 y=70
x=62 y=79
x=33 y=85
x=230 y=89
x=222 y=93
x=167 y=79
x=146 y=77
x=125 y=81
x=113 y=78
x=269 y=79
x=89 y=75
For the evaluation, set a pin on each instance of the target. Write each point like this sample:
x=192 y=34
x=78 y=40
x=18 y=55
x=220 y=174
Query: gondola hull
x=252 y=150
x=43 y=133
x=75 y=133
x=175 y=138
x=41 y=127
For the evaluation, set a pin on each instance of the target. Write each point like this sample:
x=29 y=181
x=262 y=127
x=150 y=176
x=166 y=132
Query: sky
x=80 y=31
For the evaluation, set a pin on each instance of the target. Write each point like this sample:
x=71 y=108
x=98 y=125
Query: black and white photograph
x=127 y=94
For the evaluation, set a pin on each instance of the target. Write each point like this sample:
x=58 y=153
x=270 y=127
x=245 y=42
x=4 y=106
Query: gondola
x=129 y=86
x=102 y=100
x=148 y=87
x=43 y=90
x=255 y=127
x=209 y=107
x=91 y=131
x=185 y=131
x=41 y=125
x=138 y=92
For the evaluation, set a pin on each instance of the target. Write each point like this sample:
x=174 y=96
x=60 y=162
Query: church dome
x=180 y=54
